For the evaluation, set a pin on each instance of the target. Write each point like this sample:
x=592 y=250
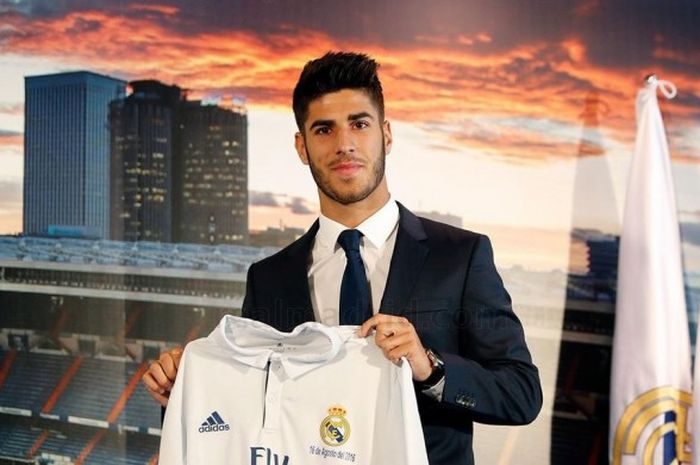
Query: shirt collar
x=255 y=344
x=376 y=229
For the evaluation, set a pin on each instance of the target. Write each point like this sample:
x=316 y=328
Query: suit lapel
x=407 y=262
x=294 y=278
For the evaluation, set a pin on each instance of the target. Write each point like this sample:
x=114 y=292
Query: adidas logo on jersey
x=214 y=423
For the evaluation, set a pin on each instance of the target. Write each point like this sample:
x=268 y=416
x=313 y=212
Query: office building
x=141 y=165
x=211 y=175
x=66 y=152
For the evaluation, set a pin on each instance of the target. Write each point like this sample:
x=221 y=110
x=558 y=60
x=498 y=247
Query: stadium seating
x=18 y=435
x=140 y=410
x=31 y=379
x=95 y=388
x=16 y=441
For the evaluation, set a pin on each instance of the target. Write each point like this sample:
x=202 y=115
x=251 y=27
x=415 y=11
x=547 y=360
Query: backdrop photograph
x=147 y=159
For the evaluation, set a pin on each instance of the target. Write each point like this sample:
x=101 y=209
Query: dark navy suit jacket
x=443 y=279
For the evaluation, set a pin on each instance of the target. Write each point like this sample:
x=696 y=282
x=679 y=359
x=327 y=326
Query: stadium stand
x=54 y=442
x=40 y=382
x=31 y=379
x=95 y=388
x=140 y=410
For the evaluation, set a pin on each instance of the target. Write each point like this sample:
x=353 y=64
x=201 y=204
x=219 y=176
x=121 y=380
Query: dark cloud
x=623 y=34
x=690 y=232
x=15 y=7
x=387 y=22
x=626 y=33
x=620 y=33
x=262 y=199
x=299 y=206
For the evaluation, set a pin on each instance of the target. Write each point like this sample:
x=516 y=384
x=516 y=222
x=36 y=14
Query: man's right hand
x=160 y=376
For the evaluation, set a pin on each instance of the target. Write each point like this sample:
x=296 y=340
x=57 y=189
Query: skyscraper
x=66 y=152
x=142 y=149
x=179 y=168
x=211 y=175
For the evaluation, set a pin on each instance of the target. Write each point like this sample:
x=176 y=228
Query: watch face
x=435 y=360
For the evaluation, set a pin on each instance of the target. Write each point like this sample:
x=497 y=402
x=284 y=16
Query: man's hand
x=397 y=338
x=160 y=376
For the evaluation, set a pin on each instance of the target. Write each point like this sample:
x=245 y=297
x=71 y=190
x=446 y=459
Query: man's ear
x=300 y=145
x=388 y=138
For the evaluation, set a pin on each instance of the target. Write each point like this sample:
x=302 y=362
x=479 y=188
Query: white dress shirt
x=328 y=260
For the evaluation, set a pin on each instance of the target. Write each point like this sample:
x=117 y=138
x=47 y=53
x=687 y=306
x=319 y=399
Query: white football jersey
x=250 y=395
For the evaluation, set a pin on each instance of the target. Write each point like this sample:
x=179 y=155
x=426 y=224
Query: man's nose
x=345 y=142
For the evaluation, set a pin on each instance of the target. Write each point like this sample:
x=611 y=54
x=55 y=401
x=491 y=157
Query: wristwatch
x=438 y=370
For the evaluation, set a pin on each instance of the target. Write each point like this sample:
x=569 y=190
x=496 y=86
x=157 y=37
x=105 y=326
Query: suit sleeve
x=493 y=376
x=249 y=298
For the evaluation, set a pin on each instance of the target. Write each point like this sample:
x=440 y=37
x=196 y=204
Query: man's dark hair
x=332 y=72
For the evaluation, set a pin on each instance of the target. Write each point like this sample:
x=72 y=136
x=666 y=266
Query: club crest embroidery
x=335 y=429
x=653 y=429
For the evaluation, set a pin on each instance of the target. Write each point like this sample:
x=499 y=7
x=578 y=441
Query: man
x=425 y=290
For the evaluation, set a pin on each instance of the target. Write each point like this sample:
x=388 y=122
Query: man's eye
x=322 y=130
x=361 y=124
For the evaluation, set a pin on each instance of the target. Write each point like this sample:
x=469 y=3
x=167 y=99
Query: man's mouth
x=346 y=168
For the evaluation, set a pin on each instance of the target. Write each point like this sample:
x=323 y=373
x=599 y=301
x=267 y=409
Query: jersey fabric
x=251 y=395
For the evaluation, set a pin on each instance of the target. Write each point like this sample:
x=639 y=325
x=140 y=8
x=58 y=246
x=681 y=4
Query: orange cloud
x=11 y=140
x=441 y=79
x=167 y=10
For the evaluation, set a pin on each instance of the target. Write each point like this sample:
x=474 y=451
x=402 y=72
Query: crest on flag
x=658 y=415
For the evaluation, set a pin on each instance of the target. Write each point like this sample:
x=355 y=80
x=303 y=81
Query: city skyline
x=489 y=103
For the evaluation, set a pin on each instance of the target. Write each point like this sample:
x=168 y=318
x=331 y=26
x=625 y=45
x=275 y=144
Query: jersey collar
x=307 y=347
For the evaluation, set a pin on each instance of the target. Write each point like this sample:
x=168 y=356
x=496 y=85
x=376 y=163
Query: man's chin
x=348 y=198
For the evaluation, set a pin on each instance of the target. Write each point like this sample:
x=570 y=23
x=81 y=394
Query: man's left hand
x=397 y=338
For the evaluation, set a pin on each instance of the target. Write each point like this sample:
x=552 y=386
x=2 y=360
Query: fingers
x=402 y=350
x=169 y=364
x=158 y=394
x=176 y=355
x=383 y=323
x=161 y=373
x=398 y=346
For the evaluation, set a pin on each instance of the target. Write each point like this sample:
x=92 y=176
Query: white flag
x=651 y=379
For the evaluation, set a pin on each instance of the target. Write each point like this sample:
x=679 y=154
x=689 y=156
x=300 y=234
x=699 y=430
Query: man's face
x=344 y=144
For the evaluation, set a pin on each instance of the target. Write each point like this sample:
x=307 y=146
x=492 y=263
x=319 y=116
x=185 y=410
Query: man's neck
x=354 y=214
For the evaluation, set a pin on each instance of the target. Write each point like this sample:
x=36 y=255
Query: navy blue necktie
x=354 y=291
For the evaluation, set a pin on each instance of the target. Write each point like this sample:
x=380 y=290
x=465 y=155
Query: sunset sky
x=507 y=114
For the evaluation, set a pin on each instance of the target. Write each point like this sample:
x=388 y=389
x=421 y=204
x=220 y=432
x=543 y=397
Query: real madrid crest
x=335 y=429
x=654 y=425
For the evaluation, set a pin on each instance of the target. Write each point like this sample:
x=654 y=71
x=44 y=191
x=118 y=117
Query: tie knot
x=349 y=240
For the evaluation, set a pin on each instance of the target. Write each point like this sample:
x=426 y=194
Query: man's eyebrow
x=356 y=116
x=322 y=122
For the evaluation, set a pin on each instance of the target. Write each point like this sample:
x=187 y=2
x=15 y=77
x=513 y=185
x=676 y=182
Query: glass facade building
x=142 y=147
x=211 y=175
x=66 y=146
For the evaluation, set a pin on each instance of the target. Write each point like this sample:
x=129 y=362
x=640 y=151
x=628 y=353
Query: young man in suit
x=425 y=290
